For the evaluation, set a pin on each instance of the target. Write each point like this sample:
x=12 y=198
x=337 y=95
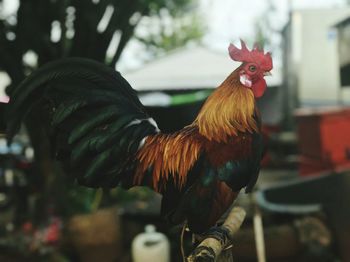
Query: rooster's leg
x=217 y=241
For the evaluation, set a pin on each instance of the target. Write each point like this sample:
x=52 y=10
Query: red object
x=255 y=55
x=324 y=139
x=53 y=232
x=27 y=227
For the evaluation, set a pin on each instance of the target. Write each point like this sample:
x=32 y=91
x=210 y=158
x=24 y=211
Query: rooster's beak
x=268 y=73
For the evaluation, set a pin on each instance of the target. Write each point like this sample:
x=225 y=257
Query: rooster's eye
x=252 y=68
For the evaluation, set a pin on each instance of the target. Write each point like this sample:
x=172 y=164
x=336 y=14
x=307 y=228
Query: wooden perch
x=219 y=238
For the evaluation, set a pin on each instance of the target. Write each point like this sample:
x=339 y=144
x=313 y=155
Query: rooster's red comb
x=256 y=55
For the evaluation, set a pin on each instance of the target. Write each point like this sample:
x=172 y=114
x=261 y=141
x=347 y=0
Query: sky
x=233 y=18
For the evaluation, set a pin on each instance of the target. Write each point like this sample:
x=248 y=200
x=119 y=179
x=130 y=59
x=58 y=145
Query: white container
x=150 y=246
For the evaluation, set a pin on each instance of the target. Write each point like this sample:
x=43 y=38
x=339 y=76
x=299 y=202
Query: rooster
x=102 y=135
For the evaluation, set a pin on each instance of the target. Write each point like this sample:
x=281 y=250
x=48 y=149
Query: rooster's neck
x=228 y=111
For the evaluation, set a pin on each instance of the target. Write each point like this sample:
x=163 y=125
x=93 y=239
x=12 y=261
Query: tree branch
x=219 y=238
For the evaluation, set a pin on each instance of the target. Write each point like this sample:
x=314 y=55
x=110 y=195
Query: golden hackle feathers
x=228 y=111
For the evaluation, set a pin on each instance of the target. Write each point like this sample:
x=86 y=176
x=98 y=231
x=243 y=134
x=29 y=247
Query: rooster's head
x=255 y=65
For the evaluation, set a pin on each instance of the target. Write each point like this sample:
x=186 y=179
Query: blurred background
x=174 y=53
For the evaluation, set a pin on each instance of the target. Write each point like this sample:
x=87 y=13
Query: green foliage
x=121 y=195
x=69 y=199
x=173 y=6
x=171 y=32
x=81 y=28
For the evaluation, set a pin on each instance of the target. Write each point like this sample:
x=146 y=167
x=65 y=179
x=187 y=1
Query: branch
x=214 y=244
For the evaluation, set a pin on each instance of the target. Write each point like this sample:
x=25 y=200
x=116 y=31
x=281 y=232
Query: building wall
x=313 y=58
